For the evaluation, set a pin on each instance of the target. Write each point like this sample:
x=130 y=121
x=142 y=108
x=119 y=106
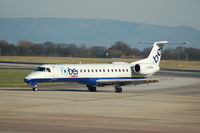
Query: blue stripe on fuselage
x=91 y=81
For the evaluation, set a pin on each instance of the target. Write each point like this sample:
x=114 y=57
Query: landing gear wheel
x=118 y=89
x=35 y=88
x=92 y=88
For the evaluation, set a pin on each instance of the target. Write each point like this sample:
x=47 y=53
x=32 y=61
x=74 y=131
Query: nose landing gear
x=35 y=88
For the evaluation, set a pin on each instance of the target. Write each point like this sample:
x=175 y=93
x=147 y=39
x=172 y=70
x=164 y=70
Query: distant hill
x=92 y=31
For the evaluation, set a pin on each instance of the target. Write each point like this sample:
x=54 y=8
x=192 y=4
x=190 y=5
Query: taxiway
x=170 y=106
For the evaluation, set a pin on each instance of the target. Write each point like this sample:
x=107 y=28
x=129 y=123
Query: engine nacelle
x=145 y=69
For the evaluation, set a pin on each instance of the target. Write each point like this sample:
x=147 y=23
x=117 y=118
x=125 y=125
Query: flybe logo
x=157 y=56
x=69 y=72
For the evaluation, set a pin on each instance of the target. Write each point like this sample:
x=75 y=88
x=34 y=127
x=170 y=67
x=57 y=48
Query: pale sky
x=161 y=12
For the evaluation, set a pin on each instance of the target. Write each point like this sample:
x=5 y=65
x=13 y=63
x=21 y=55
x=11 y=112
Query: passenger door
x=54 y=72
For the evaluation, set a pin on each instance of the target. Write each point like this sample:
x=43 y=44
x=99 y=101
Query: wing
x=128 y=81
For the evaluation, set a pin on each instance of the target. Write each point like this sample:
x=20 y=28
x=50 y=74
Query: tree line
x=118 y=50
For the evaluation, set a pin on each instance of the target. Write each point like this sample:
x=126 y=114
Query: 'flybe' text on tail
x=156 y=52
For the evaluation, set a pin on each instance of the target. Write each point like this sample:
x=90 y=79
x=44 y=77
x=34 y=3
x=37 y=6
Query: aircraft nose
x=27 y=80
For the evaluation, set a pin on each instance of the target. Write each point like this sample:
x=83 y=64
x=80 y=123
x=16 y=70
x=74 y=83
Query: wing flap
x=129 y=81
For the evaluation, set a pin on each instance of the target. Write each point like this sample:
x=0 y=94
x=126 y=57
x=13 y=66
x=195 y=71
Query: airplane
x=99 y=75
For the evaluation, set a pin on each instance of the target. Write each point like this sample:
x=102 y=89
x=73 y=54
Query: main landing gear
x=91 y=88
x=118 y=88
x=35 y=88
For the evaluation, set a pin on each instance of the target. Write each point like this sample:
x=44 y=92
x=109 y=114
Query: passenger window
x=108 y=70
x=88 y=70
x=127 y=70
x=84 y=70
x=81 y=71
x=123 y=70
x=112 y=70
x=115 y=70
x=99 y=70
x=96 y=70
x=119 y=70
x=92 y=70
x=103 y=70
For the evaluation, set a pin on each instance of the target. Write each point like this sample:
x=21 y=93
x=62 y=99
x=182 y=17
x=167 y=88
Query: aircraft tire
x=118 y=89
x=35 y=88
x=92 y=89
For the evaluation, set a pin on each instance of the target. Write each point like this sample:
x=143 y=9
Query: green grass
x=12 y=77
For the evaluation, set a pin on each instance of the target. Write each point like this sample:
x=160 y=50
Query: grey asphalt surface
x=169 y=106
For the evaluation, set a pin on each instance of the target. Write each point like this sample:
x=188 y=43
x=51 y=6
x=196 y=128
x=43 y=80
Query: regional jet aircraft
x=92 y=75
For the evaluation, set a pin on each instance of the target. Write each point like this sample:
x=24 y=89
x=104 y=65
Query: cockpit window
x=40 y=69
x=43 y=69
x=48 y=70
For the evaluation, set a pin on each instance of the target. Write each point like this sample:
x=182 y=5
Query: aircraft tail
x=150 y=65
x=156 y=53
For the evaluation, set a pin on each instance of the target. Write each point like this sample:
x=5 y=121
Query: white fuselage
x=84 y=73
x=116 y=73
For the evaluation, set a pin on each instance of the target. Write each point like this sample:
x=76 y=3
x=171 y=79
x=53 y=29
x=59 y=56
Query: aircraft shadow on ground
x=67 y=90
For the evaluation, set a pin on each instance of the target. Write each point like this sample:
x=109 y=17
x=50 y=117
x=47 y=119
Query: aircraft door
x=54 y=72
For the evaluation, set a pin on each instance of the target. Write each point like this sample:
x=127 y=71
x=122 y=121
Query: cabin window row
x=103 y=70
